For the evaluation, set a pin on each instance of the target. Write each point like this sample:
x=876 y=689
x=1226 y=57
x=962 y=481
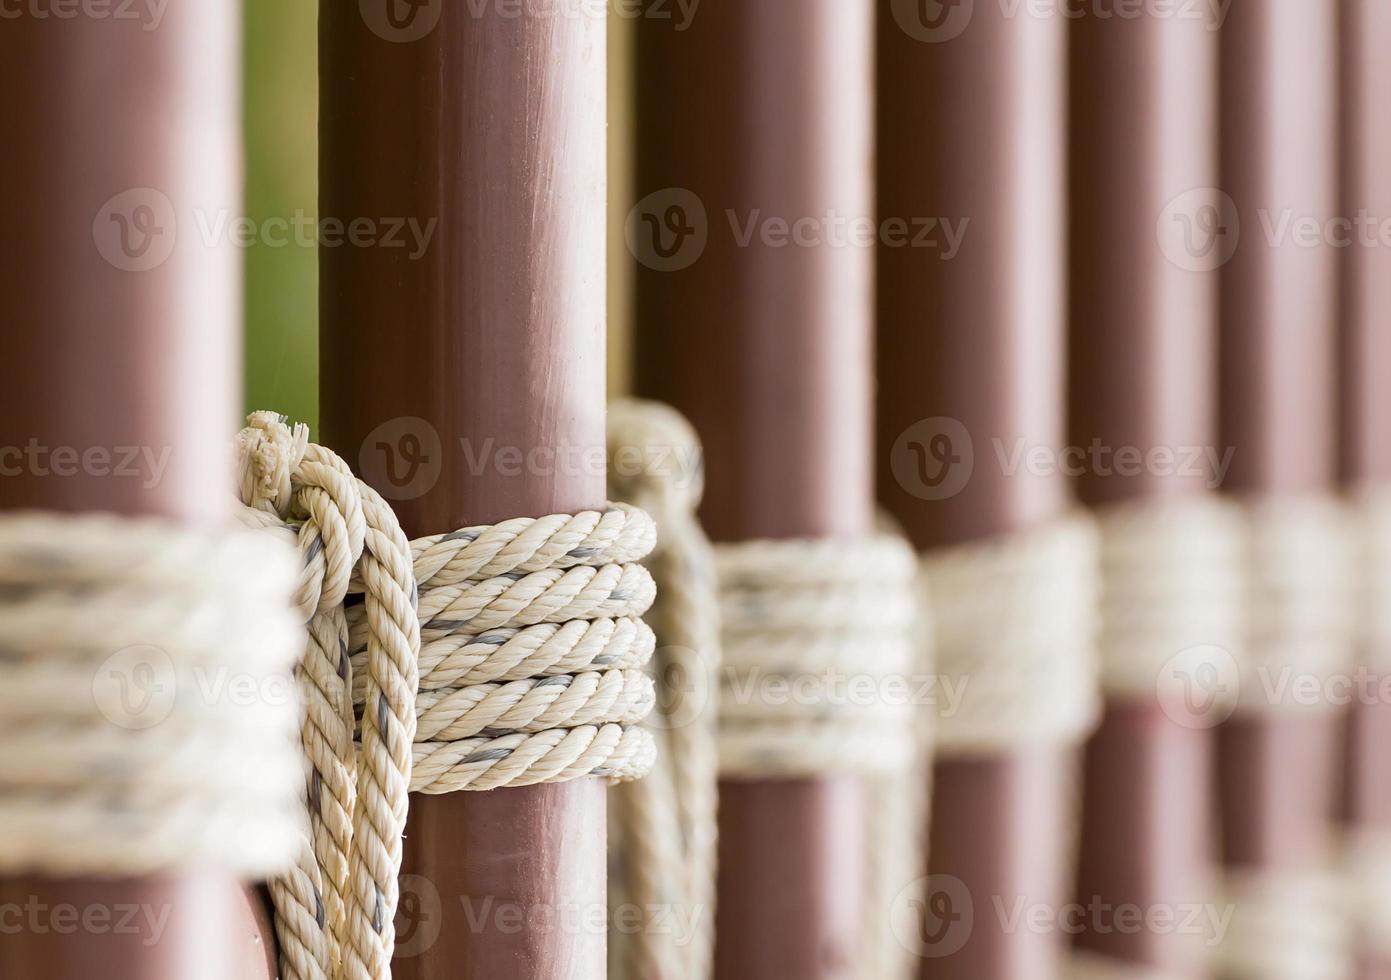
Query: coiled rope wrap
x=1292 y=922
x=491 y=656
x=1016 y=633
x=1171 y=585
x=129 y=744
x=1367 y=867
x=822 y=675
x=1300 y=601
x=1171 y=597
x=819 y=659
x=663 y=840
x=532 y=652
x=1287 y=924
x=335 y=910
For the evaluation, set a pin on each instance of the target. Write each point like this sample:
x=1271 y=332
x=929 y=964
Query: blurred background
x=1153 y=219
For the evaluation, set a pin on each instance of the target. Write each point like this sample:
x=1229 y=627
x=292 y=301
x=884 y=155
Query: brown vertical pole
x=121 y=335
x=1278 y=371
x=753 y=120
x=1366 y=371
x=1143 y=377
x=971 y=364
x=466 y=378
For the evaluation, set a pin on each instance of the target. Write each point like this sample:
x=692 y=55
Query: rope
x=486 y=657
x=1171 y=594
x=335 y=911
x=819 y=660
x=1367 y=867
x=1015 y=628
x=532 y=652
x=1286 y=925
x=1292 y=923
x=664 y=827
x=1370 y=516
x=822 y=674
x=1299 y=612
x=128 y=746
x=1367 y=849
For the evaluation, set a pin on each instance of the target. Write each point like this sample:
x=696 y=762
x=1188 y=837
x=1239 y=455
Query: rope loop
x=127 y=747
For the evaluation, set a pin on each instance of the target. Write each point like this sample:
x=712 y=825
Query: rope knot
x=655 y=460
x=269 y=452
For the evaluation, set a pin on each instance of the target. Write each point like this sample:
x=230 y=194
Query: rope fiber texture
x=823 y=675
x=820 y=671
x=532 y=653
x=1293 y=923
x=494 y=656
x=1171 y=595
x=126 y=748
x=1015 y=635
x=1286 y=925
x=335 y=910
x=663 y=848
x=1301 y=605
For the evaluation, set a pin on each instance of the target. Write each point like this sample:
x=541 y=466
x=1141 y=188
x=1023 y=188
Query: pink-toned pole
x=1278 y=355
x=1365 y=460
x=122 y=335
x=972 y=351
x=1143 y=378
x=761 y=113
x=465 y=379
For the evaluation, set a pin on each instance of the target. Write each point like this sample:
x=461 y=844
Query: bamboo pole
x=971 y=359
x=1278 y=349
x=1143 y=378
x=122 y=332
x=1365 y=459
x=753 y=122
x=467 y=382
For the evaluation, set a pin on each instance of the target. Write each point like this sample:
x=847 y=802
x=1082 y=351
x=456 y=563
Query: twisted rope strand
x=529 y=630
x=145 y=623
x=336 y=909
x=664 y=828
